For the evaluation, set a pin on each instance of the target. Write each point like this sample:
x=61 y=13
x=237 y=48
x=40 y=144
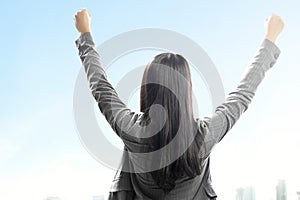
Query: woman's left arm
x=115 y=111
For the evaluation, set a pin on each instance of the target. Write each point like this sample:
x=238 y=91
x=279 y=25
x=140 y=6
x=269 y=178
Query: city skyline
x=281 y=190
x=246 y=193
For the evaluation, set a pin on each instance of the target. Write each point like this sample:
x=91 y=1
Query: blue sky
x=39 y=146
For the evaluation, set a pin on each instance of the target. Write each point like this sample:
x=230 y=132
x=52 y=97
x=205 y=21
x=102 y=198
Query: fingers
x=273 y=16
x=274 y=26
x=80 y=15
x=82 y=11
x=82 y=20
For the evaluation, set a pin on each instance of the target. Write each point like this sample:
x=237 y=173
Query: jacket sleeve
x=115 y=111
x=237 y=101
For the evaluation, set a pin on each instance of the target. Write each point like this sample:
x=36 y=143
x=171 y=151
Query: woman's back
x=146 y=187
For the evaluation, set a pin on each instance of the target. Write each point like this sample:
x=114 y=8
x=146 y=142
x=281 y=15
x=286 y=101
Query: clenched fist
x=82 y=21
x=274 y=25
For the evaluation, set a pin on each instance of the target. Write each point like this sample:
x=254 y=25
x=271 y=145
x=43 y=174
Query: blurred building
x=281 y=190
x=99 y=197
x=298 y=195
x=53 y=198
x=247 y=193
x=239 y=194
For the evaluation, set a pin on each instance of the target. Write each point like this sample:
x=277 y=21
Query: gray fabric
x=213 y=129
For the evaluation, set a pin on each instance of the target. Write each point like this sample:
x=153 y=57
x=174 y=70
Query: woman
x=167 y=150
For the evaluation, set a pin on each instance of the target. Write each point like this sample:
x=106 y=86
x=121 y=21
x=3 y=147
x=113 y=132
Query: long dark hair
x=179 y=113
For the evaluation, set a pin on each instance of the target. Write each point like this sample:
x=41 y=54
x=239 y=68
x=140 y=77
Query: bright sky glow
x=40 y=152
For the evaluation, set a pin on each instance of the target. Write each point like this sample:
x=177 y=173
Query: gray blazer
x=124 y=122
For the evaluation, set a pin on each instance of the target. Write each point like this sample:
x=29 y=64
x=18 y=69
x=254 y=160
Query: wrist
x=82 y=32
x=271 y=38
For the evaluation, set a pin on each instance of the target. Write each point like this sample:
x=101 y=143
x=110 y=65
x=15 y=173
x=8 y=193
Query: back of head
x=167 y=82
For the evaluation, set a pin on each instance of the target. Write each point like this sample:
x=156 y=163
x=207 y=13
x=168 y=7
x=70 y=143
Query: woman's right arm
x=237 y=101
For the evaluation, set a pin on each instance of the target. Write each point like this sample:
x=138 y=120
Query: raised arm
x=237 y=102
x=115 y=111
